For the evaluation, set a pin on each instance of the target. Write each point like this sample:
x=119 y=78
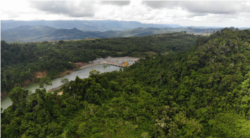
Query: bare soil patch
x=65 y=73
x=27 y=81
x=3 y=95
x=79 y=64
x=40 y=74
x=59 y=93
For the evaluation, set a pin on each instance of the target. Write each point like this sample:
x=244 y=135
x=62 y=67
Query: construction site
x=115 y=61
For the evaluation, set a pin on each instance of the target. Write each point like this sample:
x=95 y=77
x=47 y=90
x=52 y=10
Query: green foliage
x=20 y=61
x=18 y=96
x=44 y=82
x=200 y=93
x=65 y=81
x=230 y=125
x=94 y=72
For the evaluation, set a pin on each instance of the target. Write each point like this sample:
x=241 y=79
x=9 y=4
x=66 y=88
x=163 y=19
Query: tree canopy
x=45 y=81
x=202 y=92
x=21 y=61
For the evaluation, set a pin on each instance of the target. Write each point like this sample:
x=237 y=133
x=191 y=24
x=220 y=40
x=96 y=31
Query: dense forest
x=21 y=60
x=203 y=92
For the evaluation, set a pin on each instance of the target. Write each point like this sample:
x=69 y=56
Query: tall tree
x=44 y=82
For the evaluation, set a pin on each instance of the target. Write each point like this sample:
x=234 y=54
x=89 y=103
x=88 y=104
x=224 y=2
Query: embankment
x=40 y=74
x=3 y=95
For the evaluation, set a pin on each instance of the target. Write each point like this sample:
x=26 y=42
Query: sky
x=186 y=13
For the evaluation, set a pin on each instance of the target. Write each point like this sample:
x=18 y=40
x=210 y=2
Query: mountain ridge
x=45 y=33
x=85 y=25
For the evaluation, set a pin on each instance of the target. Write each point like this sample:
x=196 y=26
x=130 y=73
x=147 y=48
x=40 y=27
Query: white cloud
x=73 y=8
x=215 y=7
x=10 y=10
x=118 y=3
x=67 y=8
x=199 y=13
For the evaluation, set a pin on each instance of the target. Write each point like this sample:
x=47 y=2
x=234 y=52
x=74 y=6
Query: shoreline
x=98 y=61
x=3 y=96
x=91 y=65
x=85 y=66
x=60 y=75
x=56 y=89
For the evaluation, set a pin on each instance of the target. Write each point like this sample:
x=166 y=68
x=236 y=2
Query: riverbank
x=40 y=74
x=100 y=61
x=118 y=61
x=3 y=95
x=77 y=65
x=56 y=83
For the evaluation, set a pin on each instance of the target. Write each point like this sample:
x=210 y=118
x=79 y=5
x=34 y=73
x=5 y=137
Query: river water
x=83 y=73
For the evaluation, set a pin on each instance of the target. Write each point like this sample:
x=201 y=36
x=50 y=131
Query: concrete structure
x=115 y=61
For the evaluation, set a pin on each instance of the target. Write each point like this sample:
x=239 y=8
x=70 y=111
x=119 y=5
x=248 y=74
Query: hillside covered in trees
x=203 y=92
x=21 y=60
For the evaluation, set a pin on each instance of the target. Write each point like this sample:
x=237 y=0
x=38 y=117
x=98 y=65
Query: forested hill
x=20 y=61
x=204 y=92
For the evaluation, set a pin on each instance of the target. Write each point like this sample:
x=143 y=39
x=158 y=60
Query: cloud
x=219 y=7
x=160 y=12
x=68 y=8
x=161 y=4
x=75 y=8
x=117 y=3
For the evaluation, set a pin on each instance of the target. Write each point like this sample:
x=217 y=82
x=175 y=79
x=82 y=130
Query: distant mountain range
x=45 y=33
x=104 y=25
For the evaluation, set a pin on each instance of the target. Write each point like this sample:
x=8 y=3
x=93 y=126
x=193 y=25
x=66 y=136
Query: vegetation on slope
x=21 y=60
x=204 y=92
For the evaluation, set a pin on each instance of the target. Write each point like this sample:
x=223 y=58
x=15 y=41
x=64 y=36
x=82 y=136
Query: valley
x=125 y=69
x=21 y=60
x=183 y=86
x=82 y=73
x=102 y=65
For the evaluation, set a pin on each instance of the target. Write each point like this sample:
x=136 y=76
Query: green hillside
x=20 y=60
x=201 y=93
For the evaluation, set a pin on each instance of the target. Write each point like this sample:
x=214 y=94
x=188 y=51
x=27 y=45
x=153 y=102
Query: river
x=83 y=73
